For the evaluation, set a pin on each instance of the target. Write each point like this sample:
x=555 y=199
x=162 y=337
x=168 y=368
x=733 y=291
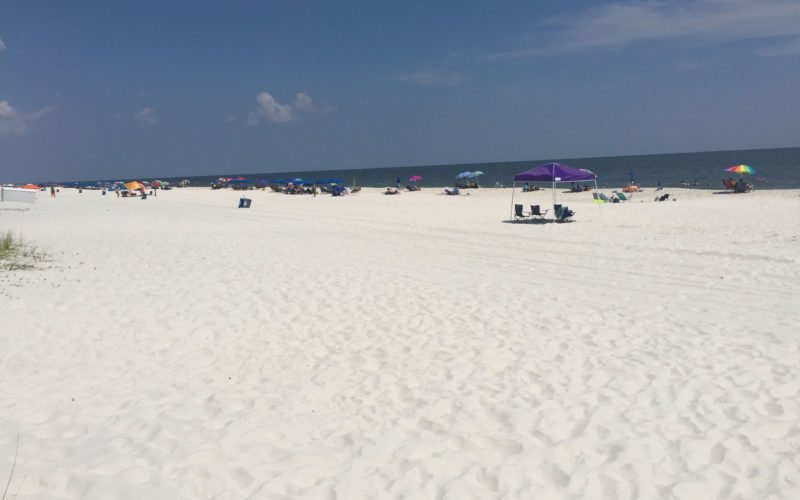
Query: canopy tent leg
x=595 y=190
x=513 y=188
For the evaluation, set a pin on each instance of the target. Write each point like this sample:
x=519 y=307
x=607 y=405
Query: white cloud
x=230 y=117
x=10 y=121
x=270 y=110
x=146 y=117
x=695 y=21
x=2 y=45
x=434 y=78
x=303 y=102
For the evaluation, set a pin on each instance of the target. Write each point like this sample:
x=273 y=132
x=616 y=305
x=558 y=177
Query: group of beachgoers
x=739 y=186
x=333 y=189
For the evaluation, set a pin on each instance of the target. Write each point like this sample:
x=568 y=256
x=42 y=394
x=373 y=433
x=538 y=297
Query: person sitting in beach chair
x=537 y=212
x=454 y=191
x=663 y=197
x=741 y=186
x=391 y=190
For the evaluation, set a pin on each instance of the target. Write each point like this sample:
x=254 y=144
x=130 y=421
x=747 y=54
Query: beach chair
x=519 y=214
x=622 y=196
x=562 y=213
x=606 y=199
x=729 y=184
x=537 y=212
x=596 y=198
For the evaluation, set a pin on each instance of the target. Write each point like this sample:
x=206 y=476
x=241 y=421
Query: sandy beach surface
x=415 y=346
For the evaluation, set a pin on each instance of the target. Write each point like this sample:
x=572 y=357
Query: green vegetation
x=15 y=254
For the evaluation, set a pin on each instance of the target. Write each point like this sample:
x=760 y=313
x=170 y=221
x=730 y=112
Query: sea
x=774 y=169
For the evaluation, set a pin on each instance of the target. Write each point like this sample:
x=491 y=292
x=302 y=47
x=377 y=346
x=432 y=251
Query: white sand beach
x=415 y=346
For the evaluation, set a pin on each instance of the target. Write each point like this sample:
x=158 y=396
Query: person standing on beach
x=52 y=191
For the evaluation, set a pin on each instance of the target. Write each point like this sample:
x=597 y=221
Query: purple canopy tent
x=553 y=173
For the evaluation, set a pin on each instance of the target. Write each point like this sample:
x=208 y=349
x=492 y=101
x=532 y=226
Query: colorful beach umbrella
x=134 y=185
x=30 y=186
x=414 y=178
x=741 y=169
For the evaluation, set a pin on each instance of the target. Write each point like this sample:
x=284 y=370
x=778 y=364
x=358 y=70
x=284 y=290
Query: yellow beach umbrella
x=134 y=185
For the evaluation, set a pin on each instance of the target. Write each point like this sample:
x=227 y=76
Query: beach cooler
x=244 y=202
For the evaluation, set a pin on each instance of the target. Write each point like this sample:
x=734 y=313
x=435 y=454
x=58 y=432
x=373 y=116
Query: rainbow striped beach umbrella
x=741 y=169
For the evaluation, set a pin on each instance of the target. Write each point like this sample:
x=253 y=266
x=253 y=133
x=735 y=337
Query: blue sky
x=104 y=89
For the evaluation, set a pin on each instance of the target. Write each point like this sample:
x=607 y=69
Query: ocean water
x=775 y=169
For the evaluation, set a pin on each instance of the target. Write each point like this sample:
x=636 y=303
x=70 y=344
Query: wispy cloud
x=270 y=110
x=2 y=45
x=146 y=117
x=40 y=113
x=695 y=21
x=789 y=48
x=434 y=78
x=12 y=122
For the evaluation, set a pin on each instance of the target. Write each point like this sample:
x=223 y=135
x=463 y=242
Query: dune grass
x=16 y=254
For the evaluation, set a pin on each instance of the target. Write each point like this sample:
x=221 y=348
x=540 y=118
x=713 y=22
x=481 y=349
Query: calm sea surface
x=775 y=169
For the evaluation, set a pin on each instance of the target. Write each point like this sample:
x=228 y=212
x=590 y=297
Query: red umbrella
x=30 y=186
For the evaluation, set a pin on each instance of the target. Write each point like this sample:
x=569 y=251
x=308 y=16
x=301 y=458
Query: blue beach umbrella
x=463 y=175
